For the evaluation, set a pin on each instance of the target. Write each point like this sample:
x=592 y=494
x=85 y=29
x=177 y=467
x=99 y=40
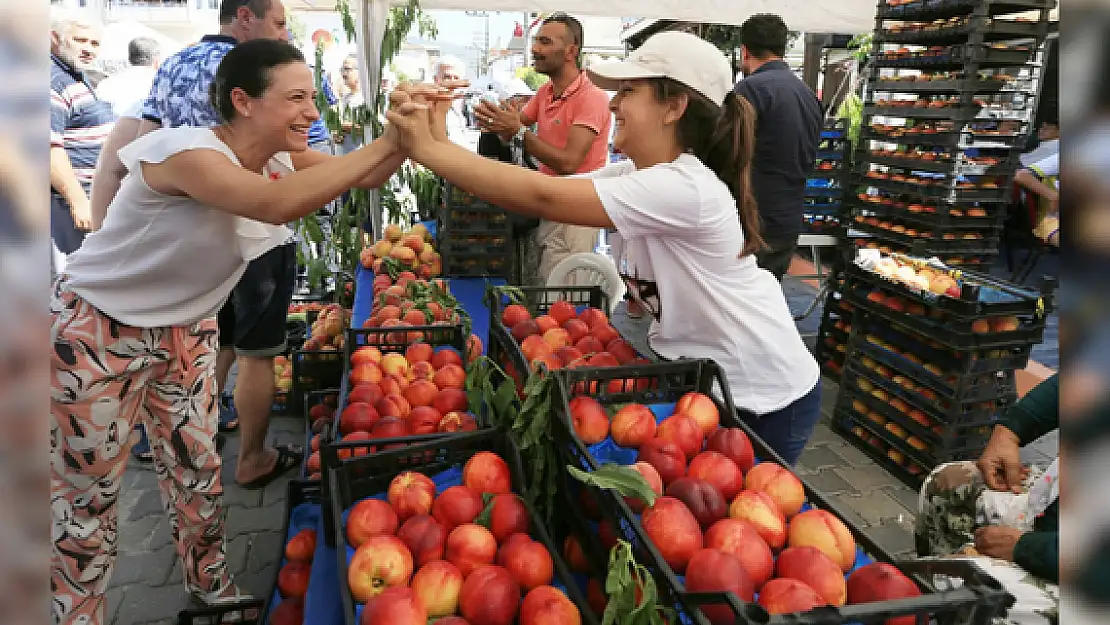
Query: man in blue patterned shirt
x=252 y=323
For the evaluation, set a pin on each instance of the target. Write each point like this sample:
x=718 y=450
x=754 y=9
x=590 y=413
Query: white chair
x=588 y=269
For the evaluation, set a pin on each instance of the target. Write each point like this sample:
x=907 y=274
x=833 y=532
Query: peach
x=762 y=512
x=378 y=563
x=395 y=364
x=508 y=516
x=301 y=547
x=425 y=538
x=456 y=506
x=633 y=425
x=788 y=596
x=369 y=518
x=589 y=345
x=568 y=355
x=444 y=357
x=684 y=431
x=674 y=530
x=605 y=333
x=490 y=596
x=396 y=606
x=421 y=371
x=486 y=472
x=437 y=586
x=666 y=456
x=525 y=329
x=358 y=417
x=741 y=539
x=529 y=563
x=589 y=419
x=514 y=314
x=419 y=352
x=470 y=546
x=424 y=420
x=411 y=494
x=547 y=605
x=421 y=393
x=365 y=373
x=702 y=498
x=621 y=350
x=394 y=406
x=562 y=311
x=702 y=409
x=450 y=376
x=593 y=317
x=734 y=444
x=651 y=476
x=811 y=566
x=366 y=354
x=711 y=570
x=293 y=579
x=820 y=529
x=784 y=487
x=451 y=400
x=719 y=471
x=576 y=329
x=556 y=338
x=545 y=323
x=534 y=348
x=879 y=581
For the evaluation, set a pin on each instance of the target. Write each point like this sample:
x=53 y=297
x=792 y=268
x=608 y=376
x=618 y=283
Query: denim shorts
x=253 y=319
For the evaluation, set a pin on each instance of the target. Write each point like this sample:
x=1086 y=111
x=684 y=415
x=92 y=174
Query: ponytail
x=723 y=138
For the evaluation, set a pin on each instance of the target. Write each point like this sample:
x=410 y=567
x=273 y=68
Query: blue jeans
x=788 y=430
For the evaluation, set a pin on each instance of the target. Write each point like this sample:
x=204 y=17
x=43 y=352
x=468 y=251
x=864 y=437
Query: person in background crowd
x=788 y=129
x=252 y=322
x=351 y=89
x=136 y=340
x=129 y=87
x=491 y=145
x=690 y=226
x=1042 y=179
x=1048 y=143
x=79 y=124
x=572 y=129
x=451 y=68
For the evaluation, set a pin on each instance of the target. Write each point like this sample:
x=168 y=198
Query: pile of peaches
x=412 y=249
x=293 y=579
x=410 y=301
x=451 y=558
x=327 y=331
x=421 y=391
x=727 y=523
x=565 y=338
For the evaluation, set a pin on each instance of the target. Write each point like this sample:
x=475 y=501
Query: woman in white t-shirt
x=134 y=333
x=685 y=256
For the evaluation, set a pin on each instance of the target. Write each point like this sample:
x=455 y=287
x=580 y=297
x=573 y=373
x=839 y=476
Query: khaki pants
x=558 y=241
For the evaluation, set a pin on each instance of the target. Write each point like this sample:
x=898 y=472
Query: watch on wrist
x=520 y=133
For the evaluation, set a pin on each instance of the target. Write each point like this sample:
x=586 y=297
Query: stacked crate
x=474 y=238
x=926 y=374
x=949 y=105
x=824 y=199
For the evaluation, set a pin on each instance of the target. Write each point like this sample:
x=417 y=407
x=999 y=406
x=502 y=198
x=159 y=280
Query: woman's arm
x=209 y=177
x=566 y=200
x=110 y=171
x=374 y=180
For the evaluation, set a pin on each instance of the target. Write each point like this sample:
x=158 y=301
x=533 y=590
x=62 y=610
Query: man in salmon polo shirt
x=572 y=121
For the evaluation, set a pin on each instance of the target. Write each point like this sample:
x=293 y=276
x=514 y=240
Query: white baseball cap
x=682 y=57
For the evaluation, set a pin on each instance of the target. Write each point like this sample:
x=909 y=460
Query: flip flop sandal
x=289 y=457
x=239 y=607
x=229 y=417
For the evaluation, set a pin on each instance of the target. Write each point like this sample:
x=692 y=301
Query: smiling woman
x=134 y=333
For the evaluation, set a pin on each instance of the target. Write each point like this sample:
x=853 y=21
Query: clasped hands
x=417 y=115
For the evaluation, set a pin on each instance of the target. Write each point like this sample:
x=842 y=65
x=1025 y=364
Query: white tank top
x=161 y=260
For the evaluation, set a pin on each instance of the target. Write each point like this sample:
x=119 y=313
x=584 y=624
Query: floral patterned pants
x=107 y=378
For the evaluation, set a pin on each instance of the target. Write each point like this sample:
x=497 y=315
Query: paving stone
x=114 y=596
x=287 y=424
x=892 y=537
x=844 y=504
x=249 y=520
x=826 y=481
x=143 y=604
x=905 y=496
x=814 y=459
x=265 y=551
x=150 y=568
x=149 y=503
x=277 y=491
x=260 y=583
x=866 y=478
x=135 y=535
x=853 y=457
x=237 y=550
x=823 y=435
x=234 y=495
x=877 y=505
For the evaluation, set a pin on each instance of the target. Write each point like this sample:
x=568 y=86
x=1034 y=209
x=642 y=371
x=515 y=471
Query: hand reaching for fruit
x=1000 y=463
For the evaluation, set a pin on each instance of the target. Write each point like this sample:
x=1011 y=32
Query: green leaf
x=623 y=479
x=487 y=510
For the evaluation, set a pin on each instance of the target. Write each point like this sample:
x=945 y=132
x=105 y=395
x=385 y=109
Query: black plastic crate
x=504 y=350
x=325 y=401
x=990 y=29
x=313 y=370
x=362 y=477
x=930 y=10
x=948 y=362
x=474 y=238
x=909 y=185
x=302 y=511
x=665 y=383
x=244 y=613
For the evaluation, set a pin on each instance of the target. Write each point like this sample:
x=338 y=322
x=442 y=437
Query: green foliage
x=531 y=77
x=861 y=46
x=851 y=110
x=621 y=478
x=625 y=576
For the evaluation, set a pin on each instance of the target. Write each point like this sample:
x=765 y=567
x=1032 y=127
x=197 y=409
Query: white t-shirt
x=1047 y=166
x=1041 y=152
x=161 y=260
x=126 y=87
x=681 y=238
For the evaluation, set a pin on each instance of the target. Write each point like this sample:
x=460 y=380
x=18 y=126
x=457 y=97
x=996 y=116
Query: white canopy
x=818 y=16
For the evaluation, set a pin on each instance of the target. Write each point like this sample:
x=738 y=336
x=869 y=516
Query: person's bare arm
x=145 y=126
x=376 y=178
x=64 y=180
x=209 y=177
x=110 y=171
x=1027 y=179
x=565 y=161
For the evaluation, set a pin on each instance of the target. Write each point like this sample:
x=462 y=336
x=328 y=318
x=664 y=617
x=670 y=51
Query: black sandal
x=289 y=457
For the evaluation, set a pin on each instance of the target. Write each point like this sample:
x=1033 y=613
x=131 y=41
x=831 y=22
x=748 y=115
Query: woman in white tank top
x=134 y=332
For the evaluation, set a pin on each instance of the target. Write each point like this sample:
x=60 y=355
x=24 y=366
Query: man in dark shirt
x=788 y=127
